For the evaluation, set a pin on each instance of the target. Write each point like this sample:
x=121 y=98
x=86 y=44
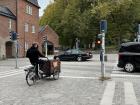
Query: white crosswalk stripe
x=109 y=93
x=130 y=98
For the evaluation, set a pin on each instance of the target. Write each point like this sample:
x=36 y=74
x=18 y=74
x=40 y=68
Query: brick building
x=21 y=16
x=52 y=39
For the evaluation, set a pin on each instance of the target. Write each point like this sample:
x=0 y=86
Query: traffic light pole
x=103 y=56
x=46 y=45
x=16 y=53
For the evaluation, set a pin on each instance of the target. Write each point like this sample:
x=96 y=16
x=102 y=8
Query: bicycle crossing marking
x=130 y=97
x=108 y=94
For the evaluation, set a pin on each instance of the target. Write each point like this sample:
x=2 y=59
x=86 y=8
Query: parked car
x=129 y=56
x=74 y=54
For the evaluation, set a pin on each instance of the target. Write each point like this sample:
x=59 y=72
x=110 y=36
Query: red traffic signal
x=98 y=42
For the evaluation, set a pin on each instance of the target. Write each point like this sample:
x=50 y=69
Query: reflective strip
x=129 y=53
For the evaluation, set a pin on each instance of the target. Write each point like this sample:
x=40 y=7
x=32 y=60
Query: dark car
x=74 y=54
x=129 y=56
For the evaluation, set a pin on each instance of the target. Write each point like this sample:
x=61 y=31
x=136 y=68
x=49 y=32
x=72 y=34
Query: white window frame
x=26 y=27
x=10 y=24
x=33 y=29
x=29 y=9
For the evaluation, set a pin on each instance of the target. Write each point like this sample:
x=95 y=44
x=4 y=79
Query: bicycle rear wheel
x=30 y=78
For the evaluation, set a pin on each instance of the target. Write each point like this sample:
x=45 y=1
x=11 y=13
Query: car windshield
x=76 y=51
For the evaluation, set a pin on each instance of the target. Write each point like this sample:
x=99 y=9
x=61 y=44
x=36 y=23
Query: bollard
x=105 y=57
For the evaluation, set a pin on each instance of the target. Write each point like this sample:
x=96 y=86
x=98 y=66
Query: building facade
x=52 y=40
x=21 y=16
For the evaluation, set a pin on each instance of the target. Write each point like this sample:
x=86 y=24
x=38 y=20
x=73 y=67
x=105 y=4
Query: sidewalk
x=10 y=64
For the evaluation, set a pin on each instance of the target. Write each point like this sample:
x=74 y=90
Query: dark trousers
x=35 y=64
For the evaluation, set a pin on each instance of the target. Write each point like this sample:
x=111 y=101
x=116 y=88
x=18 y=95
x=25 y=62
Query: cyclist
x=33 y=54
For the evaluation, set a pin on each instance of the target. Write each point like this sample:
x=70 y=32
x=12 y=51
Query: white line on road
x=78 y=77
x=12 y=74
x=108 y=94
x=130 y=98
x=125 y=75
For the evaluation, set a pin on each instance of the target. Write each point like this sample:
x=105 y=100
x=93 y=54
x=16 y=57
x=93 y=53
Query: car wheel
x=129 y=67
x=79 y=59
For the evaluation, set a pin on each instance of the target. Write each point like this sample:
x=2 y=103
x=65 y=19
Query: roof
x=129 y=43
x=6 y=12
x=34 y=2
x=42 y=28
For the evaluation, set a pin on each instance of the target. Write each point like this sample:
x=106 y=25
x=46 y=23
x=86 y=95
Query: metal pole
x=103 y=55
x=46 y=45
x=16 y=48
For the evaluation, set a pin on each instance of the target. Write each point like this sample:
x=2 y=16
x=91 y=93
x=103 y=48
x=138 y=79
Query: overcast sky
x=43 y=4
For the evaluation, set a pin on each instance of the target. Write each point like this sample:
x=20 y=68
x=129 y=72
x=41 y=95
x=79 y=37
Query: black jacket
x=33 y=54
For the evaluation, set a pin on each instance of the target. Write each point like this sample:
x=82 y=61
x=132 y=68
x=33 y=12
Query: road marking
x=10 y=74
x=23 y=67
x=78 y=77
x=108 y=94
x=130 y=98
x=125 y=75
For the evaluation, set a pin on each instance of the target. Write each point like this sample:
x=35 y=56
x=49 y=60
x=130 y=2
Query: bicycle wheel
x=30 y=78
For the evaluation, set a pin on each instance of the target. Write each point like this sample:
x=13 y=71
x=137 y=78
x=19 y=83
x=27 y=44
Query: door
x=9 y=49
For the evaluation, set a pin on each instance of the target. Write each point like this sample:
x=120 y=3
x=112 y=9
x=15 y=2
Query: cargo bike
x=46 y=69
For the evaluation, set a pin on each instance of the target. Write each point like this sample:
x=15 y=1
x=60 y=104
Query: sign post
x=46 y=45
x=77 y=43
x=16 y=47
x=103 y=30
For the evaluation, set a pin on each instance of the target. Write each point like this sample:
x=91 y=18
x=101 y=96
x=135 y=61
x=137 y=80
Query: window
x=10 y=24
x=28 y=9
x=26 y=27
x=33 y=29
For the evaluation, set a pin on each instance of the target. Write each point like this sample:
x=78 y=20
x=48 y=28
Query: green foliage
x=80 y=19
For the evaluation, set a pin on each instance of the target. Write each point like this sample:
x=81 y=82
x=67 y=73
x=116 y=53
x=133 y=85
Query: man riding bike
x=33 y=54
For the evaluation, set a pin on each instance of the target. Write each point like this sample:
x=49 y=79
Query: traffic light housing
x=14 y=35
x=98 y=41
x=45 y=38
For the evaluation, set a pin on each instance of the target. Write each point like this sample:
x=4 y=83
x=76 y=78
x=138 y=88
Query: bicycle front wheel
x=30 y=78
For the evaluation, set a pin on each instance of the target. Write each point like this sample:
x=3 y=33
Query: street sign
x=103 y=26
